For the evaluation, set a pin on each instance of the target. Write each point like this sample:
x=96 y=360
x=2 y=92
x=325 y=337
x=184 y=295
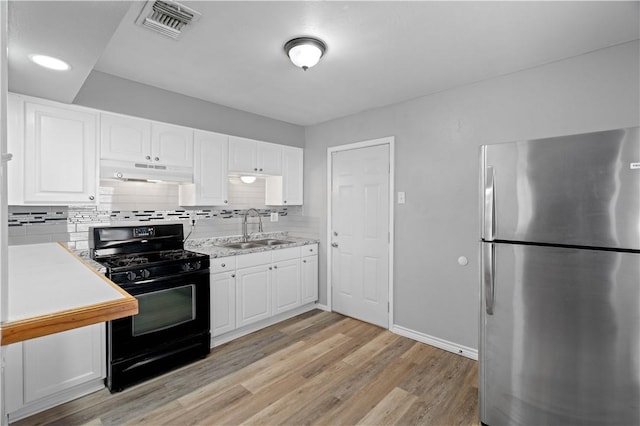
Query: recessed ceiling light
x=50 y=62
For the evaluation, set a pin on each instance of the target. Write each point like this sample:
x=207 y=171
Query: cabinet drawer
x=286 y=254
x=253 y=259
x=310 y=250
x=222 y=264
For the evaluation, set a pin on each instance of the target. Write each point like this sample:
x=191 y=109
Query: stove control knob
x=131 y=276
x=186 y=267
x=145 y=273
x=197 y=265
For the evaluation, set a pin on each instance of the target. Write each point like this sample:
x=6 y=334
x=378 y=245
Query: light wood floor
x=317 y=368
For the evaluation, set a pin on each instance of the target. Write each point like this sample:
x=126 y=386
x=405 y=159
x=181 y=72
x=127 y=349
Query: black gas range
x=131 y=268
x=171 y=285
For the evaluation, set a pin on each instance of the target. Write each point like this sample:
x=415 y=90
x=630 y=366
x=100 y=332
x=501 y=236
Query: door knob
x=334 y=244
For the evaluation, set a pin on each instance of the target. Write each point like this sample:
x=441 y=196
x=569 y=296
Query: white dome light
x=304 y=52
x=50 y=62
x=248 y=179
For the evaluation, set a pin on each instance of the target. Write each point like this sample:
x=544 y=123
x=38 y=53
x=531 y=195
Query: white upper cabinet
x=209 y=187
x=255 y=157
x=288 y=188
x=269 y=158
x=143 y=141
x=125 y=138
x=55 y=153
x=171 y=145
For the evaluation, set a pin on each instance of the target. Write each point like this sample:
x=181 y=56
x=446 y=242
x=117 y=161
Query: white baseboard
x=435 y=341
x=323 y=307
x=56 y=399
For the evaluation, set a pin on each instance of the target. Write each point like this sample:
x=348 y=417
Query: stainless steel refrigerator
x=560 y=281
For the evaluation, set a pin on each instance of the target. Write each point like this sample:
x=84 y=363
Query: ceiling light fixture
x=50 y=62
x=248 y=179
x=305 y=52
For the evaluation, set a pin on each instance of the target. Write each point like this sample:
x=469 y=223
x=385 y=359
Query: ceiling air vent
x=167 y=17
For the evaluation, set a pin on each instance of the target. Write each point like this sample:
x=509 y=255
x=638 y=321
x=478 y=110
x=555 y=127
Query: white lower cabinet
x=223 y=303
x=250 y=288
x=309 y=279
x=50 y=370
x=286 y=285
x=253 y=294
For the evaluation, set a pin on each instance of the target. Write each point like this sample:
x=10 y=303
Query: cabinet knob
x=233 y=275
x=285 y=201
x=260 y=169
x=334 y=244
x=225 y=201
x=91 y=197
x=270 y=268
x=275 y=267
x=223 y=265
x=304 y=261
x=255 y=169
x=157 y=159
x=148 y=157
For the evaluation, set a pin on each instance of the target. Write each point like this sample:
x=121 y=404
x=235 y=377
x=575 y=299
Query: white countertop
x=51 y=290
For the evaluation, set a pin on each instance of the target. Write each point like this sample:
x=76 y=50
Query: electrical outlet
x=274 y=217
x=401 y=198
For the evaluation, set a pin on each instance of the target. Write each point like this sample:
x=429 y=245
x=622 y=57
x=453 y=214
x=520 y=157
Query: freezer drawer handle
x=488 y=278
x=489 y=205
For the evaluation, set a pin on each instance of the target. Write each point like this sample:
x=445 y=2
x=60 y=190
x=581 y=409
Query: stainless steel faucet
x=245 y=234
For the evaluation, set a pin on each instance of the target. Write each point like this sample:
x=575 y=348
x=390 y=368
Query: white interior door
x=360 y=233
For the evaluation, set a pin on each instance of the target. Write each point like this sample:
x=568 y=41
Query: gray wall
x=437 y=139
x=111 y=93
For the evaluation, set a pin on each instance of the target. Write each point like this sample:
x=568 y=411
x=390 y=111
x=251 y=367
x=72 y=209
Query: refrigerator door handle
x=488 y=278
x=489 y=204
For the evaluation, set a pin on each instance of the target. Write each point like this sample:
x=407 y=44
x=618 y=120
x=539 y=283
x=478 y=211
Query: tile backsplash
x=129 y=203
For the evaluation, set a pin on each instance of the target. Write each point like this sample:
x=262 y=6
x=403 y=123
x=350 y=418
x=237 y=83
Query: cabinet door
x=292 y=176
x=125 y=138
x=253 y=295
x=223 y=303
x=243 y=155
x=286 y=189
x=60 y=155
x=210 y=171
x=60 y=361
x=286 y=285
x=269 y=158
x=171 y=145
x=309 y=286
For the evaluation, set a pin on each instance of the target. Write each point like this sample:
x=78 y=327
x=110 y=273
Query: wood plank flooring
x=318 y=368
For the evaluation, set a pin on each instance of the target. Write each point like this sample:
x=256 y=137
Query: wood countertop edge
x=20 y=330
x=29 y=328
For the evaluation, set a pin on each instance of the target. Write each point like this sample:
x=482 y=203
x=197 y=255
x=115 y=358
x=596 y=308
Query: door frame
x=390 y=141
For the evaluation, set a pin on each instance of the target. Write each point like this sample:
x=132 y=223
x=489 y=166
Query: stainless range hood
x=132 y=171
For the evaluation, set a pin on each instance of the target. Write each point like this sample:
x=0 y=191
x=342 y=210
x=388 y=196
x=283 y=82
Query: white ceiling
x=378 y=53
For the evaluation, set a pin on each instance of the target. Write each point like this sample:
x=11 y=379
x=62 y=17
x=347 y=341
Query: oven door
x=170 y=309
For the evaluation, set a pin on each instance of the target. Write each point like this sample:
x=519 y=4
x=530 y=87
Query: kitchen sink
x=254 y=244
x=271 y=242
x=248 y=245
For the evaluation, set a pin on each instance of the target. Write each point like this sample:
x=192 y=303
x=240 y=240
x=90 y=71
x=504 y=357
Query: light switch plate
x=401 y=198
x=274 y=217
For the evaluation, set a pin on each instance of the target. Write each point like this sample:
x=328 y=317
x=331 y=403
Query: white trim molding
x=436 y=341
